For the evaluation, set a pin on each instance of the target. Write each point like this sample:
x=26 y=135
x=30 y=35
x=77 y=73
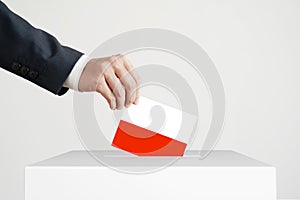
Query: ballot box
x=80 y=175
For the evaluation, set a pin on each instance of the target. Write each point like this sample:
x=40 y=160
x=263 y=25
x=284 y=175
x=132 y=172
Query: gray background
x=254 y=44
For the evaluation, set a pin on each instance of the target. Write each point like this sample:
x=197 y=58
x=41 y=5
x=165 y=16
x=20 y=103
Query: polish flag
x=153 y=129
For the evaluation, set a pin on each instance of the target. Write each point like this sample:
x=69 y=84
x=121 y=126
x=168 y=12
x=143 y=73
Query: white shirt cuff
x=73 y=79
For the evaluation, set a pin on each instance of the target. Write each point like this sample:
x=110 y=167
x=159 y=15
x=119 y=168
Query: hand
x=113 y=77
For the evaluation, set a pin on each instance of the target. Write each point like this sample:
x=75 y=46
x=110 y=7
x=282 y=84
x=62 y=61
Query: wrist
x=72 y=81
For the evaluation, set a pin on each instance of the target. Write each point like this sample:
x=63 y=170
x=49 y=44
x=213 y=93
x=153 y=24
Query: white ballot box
x=80 y=175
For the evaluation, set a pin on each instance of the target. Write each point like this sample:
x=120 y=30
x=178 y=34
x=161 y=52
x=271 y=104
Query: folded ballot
x=152 y=128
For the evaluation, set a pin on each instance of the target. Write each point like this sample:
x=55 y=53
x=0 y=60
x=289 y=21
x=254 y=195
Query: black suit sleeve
x=34 y=54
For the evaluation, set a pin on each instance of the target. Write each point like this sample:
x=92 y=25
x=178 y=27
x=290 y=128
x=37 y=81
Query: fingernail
x=113 y=106
x=136 y=102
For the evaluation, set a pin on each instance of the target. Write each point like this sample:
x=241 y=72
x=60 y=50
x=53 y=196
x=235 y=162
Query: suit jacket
x=34 y=54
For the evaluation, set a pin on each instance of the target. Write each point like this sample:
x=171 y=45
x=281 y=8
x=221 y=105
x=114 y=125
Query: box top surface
x=118 y=158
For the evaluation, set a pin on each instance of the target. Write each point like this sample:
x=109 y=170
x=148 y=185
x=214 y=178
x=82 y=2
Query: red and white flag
x=162 y=134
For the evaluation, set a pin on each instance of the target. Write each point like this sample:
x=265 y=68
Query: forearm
x=34 y=54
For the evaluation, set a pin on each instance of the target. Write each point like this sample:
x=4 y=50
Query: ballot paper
x=152 y=128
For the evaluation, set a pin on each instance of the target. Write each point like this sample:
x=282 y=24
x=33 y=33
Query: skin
x=114 y=78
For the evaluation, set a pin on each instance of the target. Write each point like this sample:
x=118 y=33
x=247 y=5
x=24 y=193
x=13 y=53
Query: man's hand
x=113 y=77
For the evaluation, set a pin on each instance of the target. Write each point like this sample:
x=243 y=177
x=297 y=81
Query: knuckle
x=119 y=55
x=105 y=65
x=107 y=72
x=117 y=67
x=121 y=58
x=111 y=99
x=97 y=82
x=111 y=59
x=138 y=79
x=120 y=71
x=131 y=86
x=120 y=93
x=99 y=87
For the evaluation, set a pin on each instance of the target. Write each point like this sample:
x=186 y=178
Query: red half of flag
x=144 y=142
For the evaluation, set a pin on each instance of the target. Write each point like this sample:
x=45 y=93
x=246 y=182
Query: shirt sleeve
x=73 y=79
